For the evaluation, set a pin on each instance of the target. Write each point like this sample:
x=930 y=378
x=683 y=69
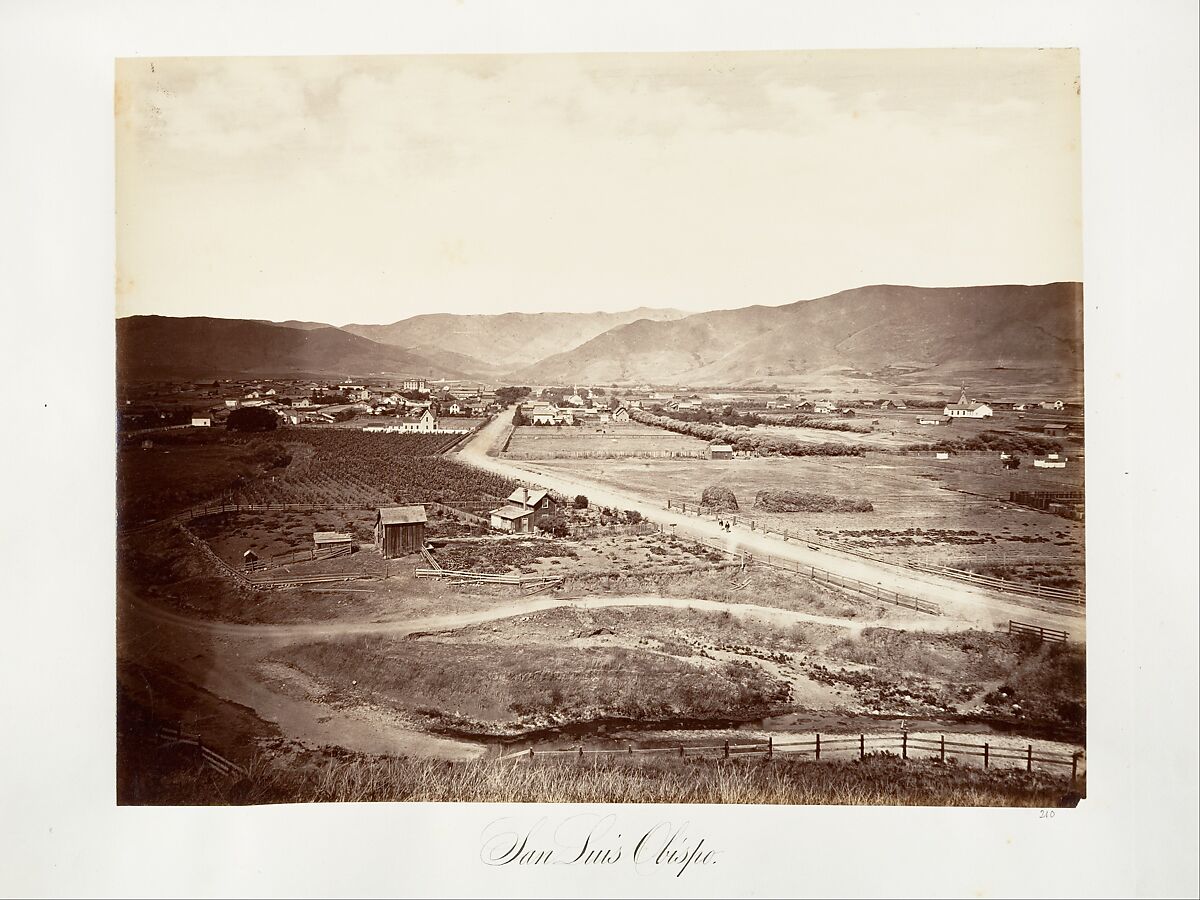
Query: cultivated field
x=614 y=439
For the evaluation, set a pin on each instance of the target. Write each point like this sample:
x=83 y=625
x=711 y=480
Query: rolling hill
x=501 y=342
x=1011 y=327
x=160 y=347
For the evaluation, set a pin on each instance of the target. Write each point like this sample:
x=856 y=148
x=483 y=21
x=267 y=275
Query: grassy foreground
x=881 y=779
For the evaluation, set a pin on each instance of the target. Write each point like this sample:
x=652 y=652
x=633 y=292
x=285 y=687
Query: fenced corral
x=529 y=584
x=173 y=735
x=280 y=560
x=259 y=582
x=839 y=746
x=1049 y=635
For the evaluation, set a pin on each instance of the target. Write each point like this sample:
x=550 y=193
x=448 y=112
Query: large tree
x=251 y=418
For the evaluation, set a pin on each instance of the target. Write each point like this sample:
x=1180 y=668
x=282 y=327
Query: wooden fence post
x=862 y=746
x=681 y=750
x=985 y=755
x=770 y=746
x=727 y=749
x=904 y=744
x=1074 y=767
x=581 y=752
x=531 y=754
x=818 y=746
x=943 y=751
x=1029 y=758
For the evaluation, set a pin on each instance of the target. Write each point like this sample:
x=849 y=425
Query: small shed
x=330 y=540
x=720 y=451
x=249 y=557
x=1054 y=430
x=942 y=454
x=514 y=519
x=400 y=530
x=201 y=420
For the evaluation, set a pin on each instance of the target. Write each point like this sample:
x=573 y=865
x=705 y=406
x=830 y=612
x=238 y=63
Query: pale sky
x=369 y=189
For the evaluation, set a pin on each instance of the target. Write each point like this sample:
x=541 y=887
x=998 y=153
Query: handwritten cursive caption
x=595 y=840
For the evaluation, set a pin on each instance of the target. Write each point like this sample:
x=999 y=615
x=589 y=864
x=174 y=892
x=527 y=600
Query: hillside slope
x=861 y=330
x=162 y=347
x=504 y=341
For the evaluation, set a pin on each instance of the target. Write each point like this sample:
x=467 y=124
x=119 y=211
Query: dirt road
x=968 y=603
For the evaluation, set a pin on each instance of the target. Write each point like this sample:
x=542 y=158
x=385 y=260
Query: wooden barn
x=400 y=530
x=720 y=451
x=1054 y=430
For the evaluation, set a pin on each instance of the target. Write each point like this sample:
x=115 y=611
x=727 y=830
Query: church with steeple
x=967 y=409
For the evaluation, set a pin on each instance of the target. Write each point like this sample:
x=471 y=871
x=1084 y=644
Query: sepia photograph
x=548 y=448
x=622 y=428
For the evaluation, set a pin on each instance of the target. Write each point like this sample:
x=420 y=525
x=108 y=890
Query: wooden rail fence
x=690 y=507
x=830 y=746
x=1050 y=635
x=170 y=735
x=527 y=583
x=871 y=591
x=1038 y=591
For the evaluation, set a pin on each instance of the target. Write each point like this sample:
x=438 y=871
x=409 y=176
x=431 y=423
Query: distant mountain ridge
x=150 y=347
x=506 y=340
x=939 y=331
x=863 y=329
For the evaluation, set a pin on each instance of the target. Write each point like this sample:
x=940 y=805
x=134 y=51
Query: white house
x=1051 y=404
x=202 y=420
x=423 y=423
x=926 y=420
x=823 y=406
x=620 y=414
x=967 y=409
x=545 y=414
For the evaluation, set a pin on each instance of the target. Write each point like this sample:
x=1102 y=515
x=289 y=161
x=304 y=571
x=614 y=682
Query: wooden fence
x=1041 y=592
x=606 y=454
x=822 y=576
x=529 y=584
x=836 y=746
x=170 y=735
x=1050 y=635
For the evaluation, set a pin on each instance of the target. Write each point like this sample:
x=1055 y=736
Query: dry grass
x=493 y=688
x=879 y=780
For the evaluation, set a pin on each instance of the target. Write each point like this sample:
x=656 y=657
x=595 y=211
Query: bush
x=581 y=502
